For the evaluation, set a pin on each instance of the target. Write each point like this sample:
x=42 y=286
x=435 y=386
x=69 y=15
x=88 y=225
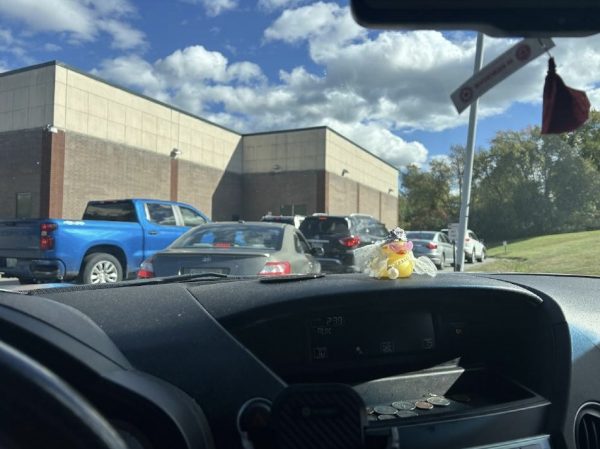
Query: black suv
x=340 y=236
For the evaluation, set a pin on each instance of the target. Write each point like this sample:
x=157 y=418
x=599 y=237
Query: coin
x=384 y=410
x=386 y=417
x=404 y=405
x=423 y=405
x=440 y=401
x=406 y=414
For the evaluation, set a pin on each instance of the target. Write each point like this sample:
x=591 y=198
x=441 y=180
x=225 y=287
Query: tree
x=427 y=196
x=586 y=139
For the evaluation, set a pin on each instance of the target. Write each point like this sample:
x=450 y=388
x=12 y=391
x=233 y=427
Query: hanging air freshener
x=564 y=109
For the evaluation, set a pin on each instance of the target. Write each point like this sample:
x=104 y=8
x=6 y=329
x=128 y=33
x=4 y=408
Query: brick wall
x=97 y=169
x=217 y=194
x=264 y=192
x=20 y=169
x=345 y=196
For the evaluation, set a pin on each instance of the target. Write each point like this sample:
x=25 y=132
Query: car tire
x=26 y=281
x=471 y=257
x=442 y=262
x=101 y=268
x=481 y=257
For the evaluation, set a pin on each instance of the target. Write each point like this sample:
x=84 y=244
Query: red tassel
x=564 y=109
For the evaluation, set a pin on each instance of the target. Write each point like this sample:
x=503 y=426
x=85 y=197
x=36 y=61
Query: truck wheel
x=25 y=281
x=101 y=268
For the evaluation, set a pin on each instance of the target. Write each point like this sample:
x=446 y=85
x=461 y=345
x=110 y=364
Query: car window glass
x=323 y=226
x=297 y=244
x=231 y=236
x=110 y=211
x=416 y=235
x=161 y=214
x=191 y=217
x=303 y=244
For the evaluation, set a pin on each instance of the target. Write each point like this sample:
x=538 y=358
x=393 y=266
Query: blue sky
x=257 y=65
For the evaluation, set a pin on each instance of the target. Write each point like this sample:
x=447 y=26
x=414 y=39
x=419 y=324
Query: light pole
x=468 y=172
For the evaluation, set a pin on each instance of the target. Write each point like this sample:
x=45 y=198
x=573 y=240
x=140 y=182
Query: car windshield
x=125 y=124
x=231 y=236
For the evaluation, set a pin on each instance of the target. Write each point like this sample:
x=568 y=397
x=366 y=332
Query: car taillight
x=46 y=240
x=350 y=242
x=431 y=245
x=276 y=269
x=146 y=270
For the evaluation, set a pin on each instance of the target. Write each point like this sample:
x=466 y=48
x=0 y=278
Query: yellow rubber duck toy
x=394 y=259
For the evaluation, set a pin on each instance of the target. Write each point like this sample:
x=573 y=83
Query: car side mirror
x=317 y=252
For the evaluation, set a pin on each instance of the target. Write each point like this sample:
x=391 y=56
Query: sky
x=260 y=65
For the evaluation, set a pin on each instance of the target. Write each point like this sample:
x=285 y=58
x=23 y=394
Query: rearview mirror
x=317 y=251
x=523 y=18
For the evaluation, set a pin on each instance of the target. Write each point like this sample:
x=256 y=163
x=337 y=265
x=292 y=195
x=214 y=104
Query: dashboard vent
x=587 y=427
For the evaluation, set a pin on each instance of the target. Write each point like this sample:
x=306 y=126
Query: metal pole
x=468 y=173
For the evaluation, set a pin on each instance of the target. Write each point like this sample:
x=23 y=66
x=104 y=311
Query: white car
x=475 y=250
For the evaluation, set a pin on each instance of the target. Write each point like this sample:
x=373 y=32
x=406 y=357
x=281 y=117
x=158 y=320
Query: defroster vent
x=587 y=427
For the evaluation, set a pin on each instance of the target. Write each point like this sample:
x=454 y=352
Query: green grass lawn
x=575 y=253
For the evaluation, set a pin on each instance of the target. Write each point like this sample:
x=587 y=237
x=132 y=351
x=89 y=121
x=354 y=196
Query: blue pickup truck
x=107 y=245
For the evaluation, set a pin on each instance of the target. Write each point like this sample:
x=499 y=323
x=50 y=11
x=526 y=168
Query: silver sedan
x=432 y=244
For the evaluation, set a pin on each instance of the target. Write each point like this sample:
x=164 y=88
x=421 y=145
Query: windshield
x=283 y=111
x=231 y=236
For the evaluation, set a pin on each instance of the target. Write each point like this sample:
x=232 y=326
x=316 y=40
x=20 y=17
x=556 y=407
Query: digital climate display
x=339 y=337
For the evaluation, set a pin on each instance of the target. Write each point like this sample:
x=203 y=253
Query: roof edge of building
x=325 y=127
x=116 y=86
x=145 y=97
x=181 y=111
x=29 y=68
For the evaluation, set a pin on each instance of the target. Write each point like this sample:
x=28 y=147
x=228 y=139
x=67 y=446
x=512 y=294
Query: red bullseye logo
x=523 y=52
x=466 y=94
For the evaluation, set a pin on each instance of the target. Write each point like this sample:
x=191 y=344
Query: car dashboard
x=456 y=361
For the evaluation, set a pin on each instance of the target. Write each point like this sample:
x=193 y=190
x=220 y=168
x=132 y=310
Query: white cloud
x=406 y=77
x=274 y=5
x=325 y=22
x=371 y=87
x=50 y=47
x=215 y=7
x=80 y=20
x=124 y=35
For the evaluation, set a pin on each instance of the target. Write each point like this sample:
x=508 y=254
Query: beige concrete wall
x=26 y=99
x=362 y=167
x=290 y=151
x=91 y=107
